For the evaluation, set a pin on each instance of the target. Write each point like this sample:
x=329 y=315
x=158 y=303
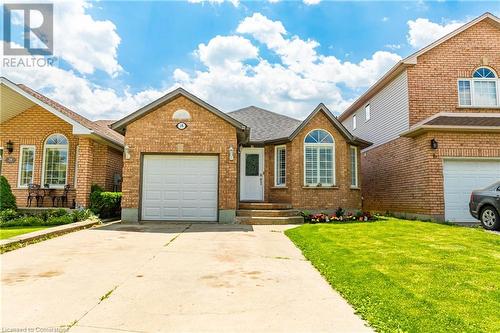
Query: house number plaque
x=181 y=126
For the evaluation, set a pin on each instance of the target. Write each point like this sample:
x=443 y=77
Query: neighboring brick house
x=434 y=119
x=54 y=146
x=186 y=160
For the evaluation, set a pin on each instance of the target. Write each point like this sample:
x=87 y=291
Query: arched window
x=55 y=161
x=484 y=72
x=319 y=158
x=480 y=90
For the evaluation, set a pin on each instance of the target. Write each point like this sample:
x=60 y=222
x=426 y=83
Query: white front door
x=252 y=174
x=461 y=177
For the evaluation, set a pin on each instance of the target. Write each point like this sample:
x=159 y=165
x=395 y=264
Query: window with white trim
x=280 y=166
x=367 y=112
x=481 y=90
x=55 y=161
x=26 y=165
x=319 y=157
x=354 y=122
x=354 y=166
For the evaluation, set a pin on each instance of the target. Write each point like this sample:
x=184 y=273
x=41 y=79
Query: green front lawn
x=407 y=276
x=9 y=232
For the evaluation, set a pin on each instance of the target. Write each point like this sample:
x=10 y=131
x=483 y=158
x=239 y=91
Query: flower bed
x=338 y=216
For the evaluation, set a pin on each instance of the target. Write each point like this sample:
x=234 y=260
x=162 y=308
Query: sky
x=114 y=57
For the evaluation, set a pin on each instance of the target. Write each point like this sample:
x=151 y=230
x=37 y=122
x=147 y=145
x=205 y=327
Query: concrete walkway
x=170 y=278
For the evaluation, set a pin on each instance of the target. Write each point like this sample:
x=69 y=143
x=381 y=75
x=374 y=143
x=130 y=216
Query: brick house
x=187 y=160
x=434 y=119
x=43 y=142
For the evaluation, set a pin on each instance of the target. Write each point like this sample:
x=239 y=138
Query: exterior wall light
x=126 y=152
x=434 y=144
x=231 y=153
x=9 y=146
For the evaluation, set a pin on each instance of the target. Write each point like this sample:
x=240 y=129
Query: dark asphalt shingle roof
x=265 y=125
x=464 y=121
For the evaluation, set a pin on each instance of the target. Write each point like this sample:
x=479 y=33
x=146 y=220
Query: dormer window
x=481 y=90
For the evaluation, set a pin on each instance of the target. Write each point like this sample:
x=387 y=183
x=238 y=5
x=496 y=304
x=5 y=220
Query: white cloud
x=423 y=32
x=235 y=3
x=293 y=85
x=393 y=46
x=311 y=2
x=385 y=19
x=226 y=51
x=85 y=43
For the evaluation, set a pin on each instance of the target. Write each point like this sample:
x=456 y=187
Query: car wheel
x=490 y=218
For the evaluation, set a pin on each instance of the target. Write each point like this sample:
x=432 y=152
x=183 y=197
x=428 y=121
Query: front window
x=319 y=156
x=481 y=90
x=354 y=122
x=55 y=161
x=367 y=113
x=26 y=165
x=354 y=166
x=280 y=166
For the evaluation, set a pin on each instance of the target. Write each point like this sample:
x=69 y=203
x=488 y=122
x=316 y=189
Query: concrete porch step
x=261 y=220
x=268 y=212
x=264 y=205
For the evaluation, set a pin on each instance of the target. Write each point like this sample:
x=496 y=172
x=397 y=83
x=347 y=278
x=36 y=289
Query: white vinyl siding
x=389 y=114
x=354 y=166
x=280 y=166
x=26 y=165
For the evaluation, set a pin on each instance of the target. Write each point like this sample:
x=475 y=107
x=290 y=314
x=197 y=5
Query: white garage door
x=460 y=178
x=179 y=188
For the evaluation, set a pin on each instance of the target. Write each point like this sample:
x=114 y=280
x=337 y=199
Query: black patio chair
x=34 y=193
x=63 y=199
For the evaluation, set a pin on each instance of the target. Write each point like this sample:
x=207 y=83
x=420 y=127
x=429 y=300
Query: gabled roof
x=265 y=125
x=81 y=125
x=121 y=124
x=409 y=61
x=335 y=122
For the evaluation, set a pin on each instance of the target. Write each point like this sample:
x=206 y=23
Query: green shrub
x=81 y=214
x=58 y=212
x=58 y=220
x=25 y=221
x=105 y=204
x=7 y=199
x=8 y=214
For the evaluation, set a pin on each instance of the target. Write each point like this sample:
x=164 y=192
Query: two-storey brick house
x=434 y=119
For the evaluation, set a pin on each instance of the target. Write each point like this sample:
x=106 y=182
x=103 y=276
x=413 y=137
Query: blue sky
x=287 y=56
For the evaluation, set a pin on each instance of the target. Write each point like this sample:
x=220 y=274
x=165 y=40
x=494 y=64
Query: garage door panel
x=180 y=187
x=461 y=177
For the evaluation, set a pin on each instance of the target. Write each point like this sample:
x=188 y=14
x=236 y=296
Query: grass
x=9 y=232
x=410 y=276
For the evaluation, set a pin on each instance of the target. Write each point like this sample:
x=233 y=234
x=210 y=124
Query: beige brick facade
x=32 y=127
x=313 y=198
x=156 y=132
x=405 y=175
x=206 y=133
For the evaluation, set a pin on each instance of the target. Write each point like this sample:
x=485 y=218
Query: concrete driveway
x=170 y=278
